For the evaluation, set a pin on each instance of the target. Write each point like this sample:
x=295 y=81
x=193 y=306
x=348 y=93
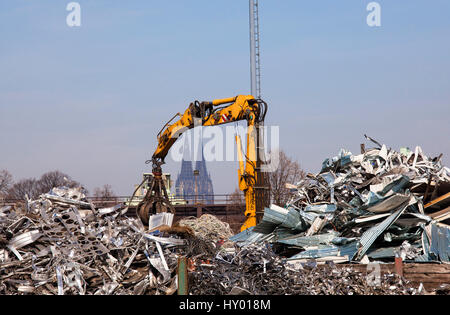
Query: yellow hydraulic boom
x=215 y=113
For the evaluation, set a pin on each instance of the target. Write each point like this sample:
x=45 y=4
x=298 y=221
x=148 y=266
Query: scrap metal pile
x=371 y=207
x=257 y=270
x=209 y=228
x=362 y=208
x=60 y=244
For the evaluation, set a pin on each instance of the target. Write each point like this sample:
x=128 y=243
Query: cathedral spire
x=186 y=181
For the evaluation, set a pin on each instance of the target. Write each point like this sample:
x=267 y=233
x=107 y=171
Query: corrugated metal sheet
x=387 y=252
x=282 y=233
x=317 y=253
x=389 y=204
x=369 y=237
x=426 y=257
x=440 y=242
x=323 y=209
x=309 y=217
x=277 y=216
x=243 y=236
x=326 y=251
x=249 y=237
x=307 y=241
x=265 y=227
x=348 y=250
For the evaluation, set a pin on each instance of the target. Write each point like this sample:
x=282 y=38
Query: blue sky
x=89 y=101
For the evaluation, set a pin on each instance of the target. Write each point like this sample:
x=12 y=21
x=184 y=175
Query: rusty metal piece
x=399 y=266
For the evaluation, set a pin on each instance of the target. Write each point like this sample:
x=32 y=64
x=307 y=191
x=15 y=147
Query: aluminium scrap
x=256 y=270
x=60 y=244
x=362 y=208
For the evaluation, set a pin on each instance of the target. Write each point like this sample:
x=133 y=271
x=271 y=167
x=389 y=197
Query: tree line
x=33 y=187
x=288 y=172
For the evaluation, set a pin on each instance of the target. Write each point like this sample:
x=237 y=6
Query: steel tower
x=255 y=65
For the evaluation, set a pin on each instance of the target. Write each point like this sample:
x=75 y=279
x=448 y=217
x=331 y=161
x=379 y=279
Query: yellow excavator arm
x=216 y=113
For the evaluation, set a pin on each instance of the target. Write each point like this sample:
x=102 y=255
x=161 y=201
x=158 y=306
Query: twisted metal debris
x=363 y=207
x=256 y=270
x=60 y=244
x=209 y=228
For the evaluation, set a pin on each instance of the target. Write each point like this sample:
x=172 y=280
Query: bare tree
x=50 y=180
x=288 y=172
x=34 y=188
x=24 y=187
x=104 y=192
x=104 y=196
x=236 y=210
x=236 y=200
x=5 y=182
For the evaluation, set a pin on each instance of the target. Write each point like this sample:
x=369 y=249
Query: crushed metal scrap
x=373 y=207
x=209 y=228
x=61 y=244
x=365 y=208
x=257 y=270
x=360 y=208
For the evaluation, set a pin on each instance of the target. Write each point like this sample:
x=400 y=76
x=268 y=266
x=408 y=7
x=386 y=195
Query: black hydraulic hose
x=135 y=191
